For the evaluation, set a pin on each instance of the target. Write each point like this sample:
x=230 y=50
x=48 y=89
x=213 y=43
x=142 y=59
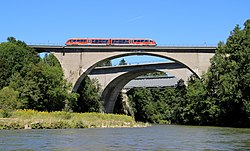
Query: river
x=156 y=137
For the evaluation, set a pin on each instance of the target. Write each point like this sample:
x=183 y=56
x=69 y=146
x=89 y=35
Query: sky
x=168 y=22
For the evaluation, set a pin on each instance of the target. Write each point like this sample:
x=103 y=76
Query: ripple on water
x=157 y=137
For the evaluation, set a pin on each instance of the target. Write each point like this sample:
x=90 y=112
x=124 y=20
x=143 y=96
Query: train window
x=99 y=41
x=103 y=41
x=120 y=41
x=117 y=41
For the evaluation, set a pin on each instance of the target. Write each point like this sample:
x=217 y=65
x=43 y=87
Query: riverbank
x=30 y=119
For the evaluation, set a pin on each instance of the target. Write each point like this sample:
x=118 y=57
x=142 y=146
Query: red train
x=110 y=42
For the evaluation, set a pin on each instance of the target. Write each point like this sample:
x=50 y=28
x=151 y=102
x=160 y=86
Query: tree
x=14 y=55
x=39 y=82
x=228 y=78
x=89 y=96
x=123 y=62
x=41 y=87
x=8 y=99
x=51 y=60
x=11 y=39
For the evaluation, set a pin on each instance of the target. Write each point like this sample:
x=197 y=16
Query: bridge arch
x=113 y=56
x=112 y=90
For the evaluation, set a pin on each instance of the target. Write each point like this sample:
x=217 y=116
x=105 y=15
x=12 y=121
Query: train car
x=76 y=41
x=120 y=42
x=110 y=42
x=99 y=41
x=143 y=42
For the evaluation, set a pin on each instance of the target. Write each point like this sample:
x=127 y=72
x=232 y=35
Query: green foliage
x=140 y=98
x=8 y=99
x=31 y=119
x=41 y=87
x=14 y=56
x=89 y=96
x=151 y=105
x=122 y=62
x=39 y=83
x=228 y=78
x=199 y=109
x=51 y=60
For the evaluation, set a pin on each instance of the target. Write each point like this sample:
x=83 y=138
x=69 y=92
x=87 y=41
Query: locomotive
x=110 y=42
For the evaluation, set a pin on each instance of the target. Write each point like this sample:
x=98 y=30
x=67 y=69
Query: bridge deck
x=48 y=48
x=126 y=68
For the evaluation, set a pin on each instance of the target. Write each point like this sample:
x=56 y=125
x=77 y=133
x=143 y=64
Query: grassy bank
x=30 y=119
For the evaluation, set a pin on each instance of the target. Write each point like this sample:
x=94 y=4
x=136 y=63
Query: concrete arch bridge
x=113 y=79
x=79 y=61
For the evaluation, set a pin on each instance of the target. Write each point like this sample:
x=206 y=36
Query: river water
x=157 y=137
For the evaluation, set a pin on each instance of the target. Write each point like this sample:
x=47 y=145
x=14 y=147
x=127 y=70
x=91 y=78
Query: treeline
x=221 y=97
x=30 y=82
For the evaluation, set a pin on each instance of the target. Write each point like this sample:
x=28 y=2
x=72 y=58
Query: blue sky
x=168 y=22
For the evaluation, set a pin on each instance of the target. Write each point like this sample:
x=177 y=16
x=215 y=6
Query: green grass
x=30 y=119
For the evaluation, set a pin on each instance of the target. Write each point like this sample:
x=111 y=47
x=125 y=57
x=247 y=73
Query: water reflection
x=159 y=137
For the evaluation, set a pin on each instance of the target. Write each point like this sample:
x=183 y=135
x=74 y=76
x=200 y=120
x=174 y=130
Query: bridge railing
x=188 y=45
x=46 y=44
